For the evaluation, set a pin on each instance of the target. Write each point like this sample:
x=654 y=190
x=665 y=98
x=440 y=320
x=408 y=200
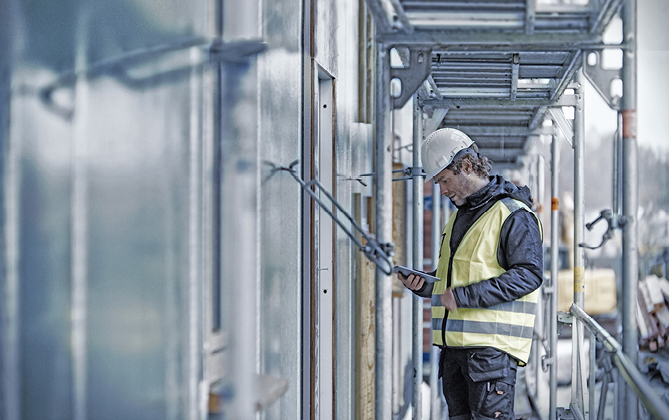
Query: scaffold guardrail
x=628 y=371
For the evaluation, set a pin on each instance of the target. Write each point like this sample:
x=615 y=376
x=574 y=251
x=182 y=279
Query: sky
x=652 y=81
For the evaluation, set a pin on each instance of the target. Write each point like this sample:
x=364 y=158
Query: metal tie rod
x=378 y=253
x=409 y=173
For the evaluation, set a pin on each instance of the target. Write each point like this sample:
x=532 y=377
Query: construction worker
x=490 y=267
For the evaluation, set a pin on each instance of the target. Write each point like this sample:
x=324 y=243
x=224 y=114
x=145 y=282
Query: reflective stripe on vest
x=508 y=326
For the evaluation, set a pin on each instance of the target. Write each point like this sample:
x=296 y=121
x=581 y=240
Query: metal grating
x=497 y=65
x=498 y=14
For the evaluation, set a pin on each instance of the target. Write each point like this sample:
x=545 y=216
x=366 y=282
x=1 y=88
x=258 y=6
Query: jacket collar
x=496 y=189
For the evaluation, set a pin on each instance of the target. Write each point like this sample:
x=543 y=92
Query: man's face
x=456 y=187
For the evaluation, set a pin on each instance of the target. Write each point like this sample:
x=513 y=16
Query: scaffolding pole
x=555 y=237
x=579 y=390
x=9 y=323
x=540 y=322
x=417 y=253
x=79 y=221
x=435 y=407
x=630 y=197
x=241 y=255
x=383 y=194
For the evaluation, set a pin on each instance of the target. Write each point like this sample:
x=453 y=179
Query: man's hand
x=448 y=300
x=413 y=282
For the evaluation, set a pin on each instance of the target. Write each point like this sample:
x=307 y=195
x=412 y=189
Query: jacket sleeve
x=426 y=290
x=520 y=253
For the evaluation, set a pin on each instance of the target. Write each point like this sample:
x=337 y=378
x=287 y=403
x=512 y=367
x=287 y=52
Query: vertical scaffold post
x=238 y=171
x=435 y=406
x=630 y=197
x=9 y=345
x=540 y=322
x=383 y=193
x=80 y=220
x=240 y=176
x=579 y=390
x=555 y=237
x=417 y=252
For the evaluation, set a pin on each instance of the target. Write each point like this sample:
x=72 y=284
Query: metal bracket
x=377 y=252
x=413 y=74
x=564 y=414
x=546 y=362
x=605 y=361
x=565 y=317
x=410 y=173
x=564 y=125
x=388 y=248
x=236 y=52
x=602 y=78
x=350 y=178
x=613 y=221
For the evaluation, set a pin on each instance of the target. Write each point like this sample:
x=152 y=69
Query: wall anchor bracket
x=601 y=78
x=412 y=76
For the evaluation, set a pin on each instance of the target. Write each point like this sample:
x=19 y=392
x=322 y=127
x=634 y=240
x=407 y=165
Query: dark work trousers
x=479 y=383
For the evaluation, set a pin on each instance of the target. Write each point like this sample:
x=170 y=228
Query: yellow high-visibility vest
x=507 y=326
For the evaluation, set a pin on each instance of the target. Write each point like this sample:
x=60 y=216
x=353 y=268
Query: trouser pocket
x=489 y=364
x=496 y=400
x=493 y=375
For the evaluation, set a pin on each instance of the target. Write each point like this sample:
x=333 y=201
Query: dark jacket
x=520 y=250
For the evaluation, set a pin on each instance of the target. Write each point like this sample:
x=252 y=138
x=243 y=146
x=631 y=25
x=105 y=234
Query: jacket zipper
x=448 y=285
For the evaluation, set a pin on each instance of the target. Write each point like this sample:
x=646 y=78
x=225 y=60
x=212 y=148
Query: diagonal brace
x=378 y=253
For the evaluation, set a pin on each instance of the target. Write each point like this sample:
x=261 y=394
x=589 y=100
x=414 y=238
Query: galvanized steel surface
x=579 y=392
x=128 y=210
x=417 y=263
x=636 y=381
x=133 y=270
x=9 y=328
x=113 y=168
x=630 y=196
x=514 y=51
x=277 y=114
x=383 y=214
x=553 y=284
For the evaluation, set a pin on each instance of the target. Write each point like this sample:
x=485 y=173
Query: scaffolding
x=497 y=70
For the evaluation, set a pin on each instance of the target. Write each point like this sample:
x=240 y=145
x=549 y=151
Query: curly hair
x=481 y=164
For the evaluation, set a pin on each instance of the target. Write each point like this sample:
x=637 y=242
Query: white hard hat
x=439 y=149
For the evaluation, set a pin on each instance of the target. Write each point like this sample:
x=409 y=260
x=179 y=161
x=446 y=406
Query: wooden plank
x=645 y=298
x=365 y=288
x=645 y=329
x=662 y=314
x=654 y=290
x=399 y=229
x=664 y=286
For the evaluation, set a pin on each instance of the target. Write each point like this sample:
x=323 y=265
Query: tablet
x=406 y=271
